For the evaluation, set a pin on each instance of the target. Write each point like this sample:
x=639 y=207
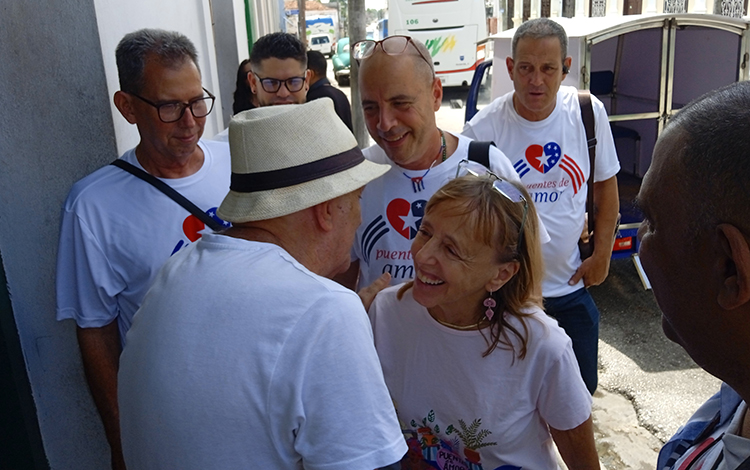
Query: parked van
x=321 y=43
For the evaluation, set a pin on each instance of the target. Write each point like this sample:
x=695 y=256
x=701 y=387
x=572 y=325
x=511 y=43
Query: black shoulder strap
x=480 y=152
x=169 y=191
x=745 y=465
x=587 y=115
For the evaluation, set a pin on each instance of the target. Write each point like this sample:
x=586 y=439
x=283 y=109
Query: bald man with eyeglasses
x=117 y=230
x=400 y=94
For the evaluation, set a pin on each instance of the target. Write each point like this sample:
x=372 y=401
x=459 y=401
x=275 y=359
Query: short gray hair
x=541 y=28
x=169 y=48
x=419 y=45
x=715 y=134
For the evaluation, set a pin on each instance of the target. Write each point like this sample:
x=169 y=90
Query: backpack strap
x=480 y=152
x=171 y=192
x=587 y=115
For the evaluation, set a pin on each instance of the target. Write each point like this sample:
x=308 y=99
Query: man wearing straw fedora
x=244 y=354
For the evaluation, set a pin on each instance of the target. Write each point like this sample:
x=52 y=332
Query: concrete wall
x=57 y=78
x=56 y=128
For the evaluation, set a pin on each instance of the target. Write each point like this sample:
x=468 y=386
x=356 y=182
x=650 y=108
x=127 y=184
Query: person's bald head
x=416 y=55
x=400 y=95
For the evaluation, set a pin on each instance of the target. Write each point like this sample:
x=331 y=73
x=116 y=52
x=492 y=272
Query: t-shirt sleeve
x=503 y=168
x=344 y=416
x=500 y=165
x=469 y=131
x=564 y=401
x=607 y=163
x=86 y=284
x=480 y=127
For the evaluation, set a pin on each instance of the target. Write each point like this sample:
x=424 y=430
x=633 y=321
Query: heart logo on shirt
x=406 y=218
x=543 y=159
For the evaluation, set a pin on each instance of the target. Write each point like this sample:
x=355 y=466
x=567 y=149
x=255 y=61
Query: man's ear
x=124 y=104
x=324 y=215
x=437 y=93
x=504 y=273
x=735 y=289
x=509 y=64
x=566 y=65
x=253 y=81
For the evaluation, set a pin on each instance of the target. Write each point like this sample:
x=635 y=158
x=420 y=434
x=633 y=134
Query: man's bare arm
x=595 y=269
x=100 y=352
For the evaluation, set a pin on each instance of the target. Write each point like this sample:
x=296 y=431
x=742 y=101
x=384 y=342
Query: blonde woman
x=480 y=376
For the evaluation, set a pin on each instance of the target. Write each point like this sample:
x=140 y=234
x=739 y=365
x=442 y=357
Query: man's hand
x=595 y=269
x=100 y=352
x=367 y=294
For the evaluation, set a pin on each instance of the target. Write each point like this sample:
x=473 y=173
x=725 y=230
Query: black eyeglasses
x=508 y=190
x=172 y=111
x=272 y=85
x=392 y=45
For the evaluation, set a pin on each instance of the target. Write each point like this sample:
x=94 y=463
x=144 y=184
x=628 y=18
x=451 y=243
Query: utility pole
x=302 y=23
x=357 y=32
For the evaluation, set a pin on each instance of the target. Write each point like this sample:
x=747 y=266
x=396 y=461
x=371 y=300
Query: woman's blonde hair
x=496 y=220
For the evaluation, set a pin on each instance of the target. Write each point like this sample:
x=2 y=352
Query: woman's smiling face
x=454 y=269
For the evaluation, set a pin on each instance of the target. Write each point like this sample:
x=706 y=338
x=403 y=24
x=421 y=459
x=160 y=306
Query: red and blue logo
x=192 y=226
x=404 y=217
x=544 y=158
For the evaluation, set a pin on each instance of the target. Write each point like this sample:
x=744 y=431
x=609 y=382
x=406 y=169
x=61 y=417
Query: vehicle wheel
x=342 y=81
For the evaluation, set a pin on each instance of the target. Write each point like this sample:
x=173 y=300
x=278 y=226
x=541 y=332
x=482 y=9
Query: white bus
x=449 y=28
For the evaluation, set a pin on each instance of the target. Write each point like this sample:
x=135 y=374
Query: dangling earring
x=490 y=303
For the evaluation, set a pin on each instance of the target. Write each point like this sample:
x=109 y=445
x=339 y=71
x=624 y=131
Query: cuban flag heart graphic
x=543 y=159
x=406 y=218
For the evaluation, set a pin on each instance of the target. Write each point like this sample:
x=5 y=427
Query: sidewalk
x=620 y=441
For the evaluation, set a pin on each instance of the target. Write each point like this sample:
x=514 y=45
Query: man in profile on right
x=695 y=248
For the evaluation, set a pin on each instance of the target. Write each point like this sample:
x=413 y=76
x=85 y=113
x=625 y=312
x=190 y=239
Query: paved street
x=648 y=386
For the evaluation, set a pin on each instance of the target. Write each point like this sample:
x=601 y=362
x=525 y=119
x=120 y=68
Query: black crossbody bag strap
x=587 y=115
x=169 y=191
x=480 y=152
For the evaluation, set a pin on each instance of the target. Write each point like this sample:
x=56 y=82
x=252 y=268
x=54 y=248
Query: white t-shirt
x=393 y=207
x=449 y=398
x=552 y=160
x=118 y=230
x=241 y=358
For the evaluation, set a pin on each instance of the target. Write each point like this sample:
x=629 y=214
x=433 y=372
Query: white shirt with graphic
x=393 y=207
x=551 y=157
x=459 y=410
x=118 y=230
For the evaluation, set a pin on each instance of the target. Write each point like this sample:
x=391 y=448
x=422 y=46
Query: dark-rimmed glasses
x=272 y=85
x=507 y=189
x=392 y=45
x=172 y=111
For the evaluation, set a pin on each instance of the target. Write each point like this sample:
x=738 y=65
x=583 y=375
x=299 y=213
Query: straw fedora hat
x=288 y=158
